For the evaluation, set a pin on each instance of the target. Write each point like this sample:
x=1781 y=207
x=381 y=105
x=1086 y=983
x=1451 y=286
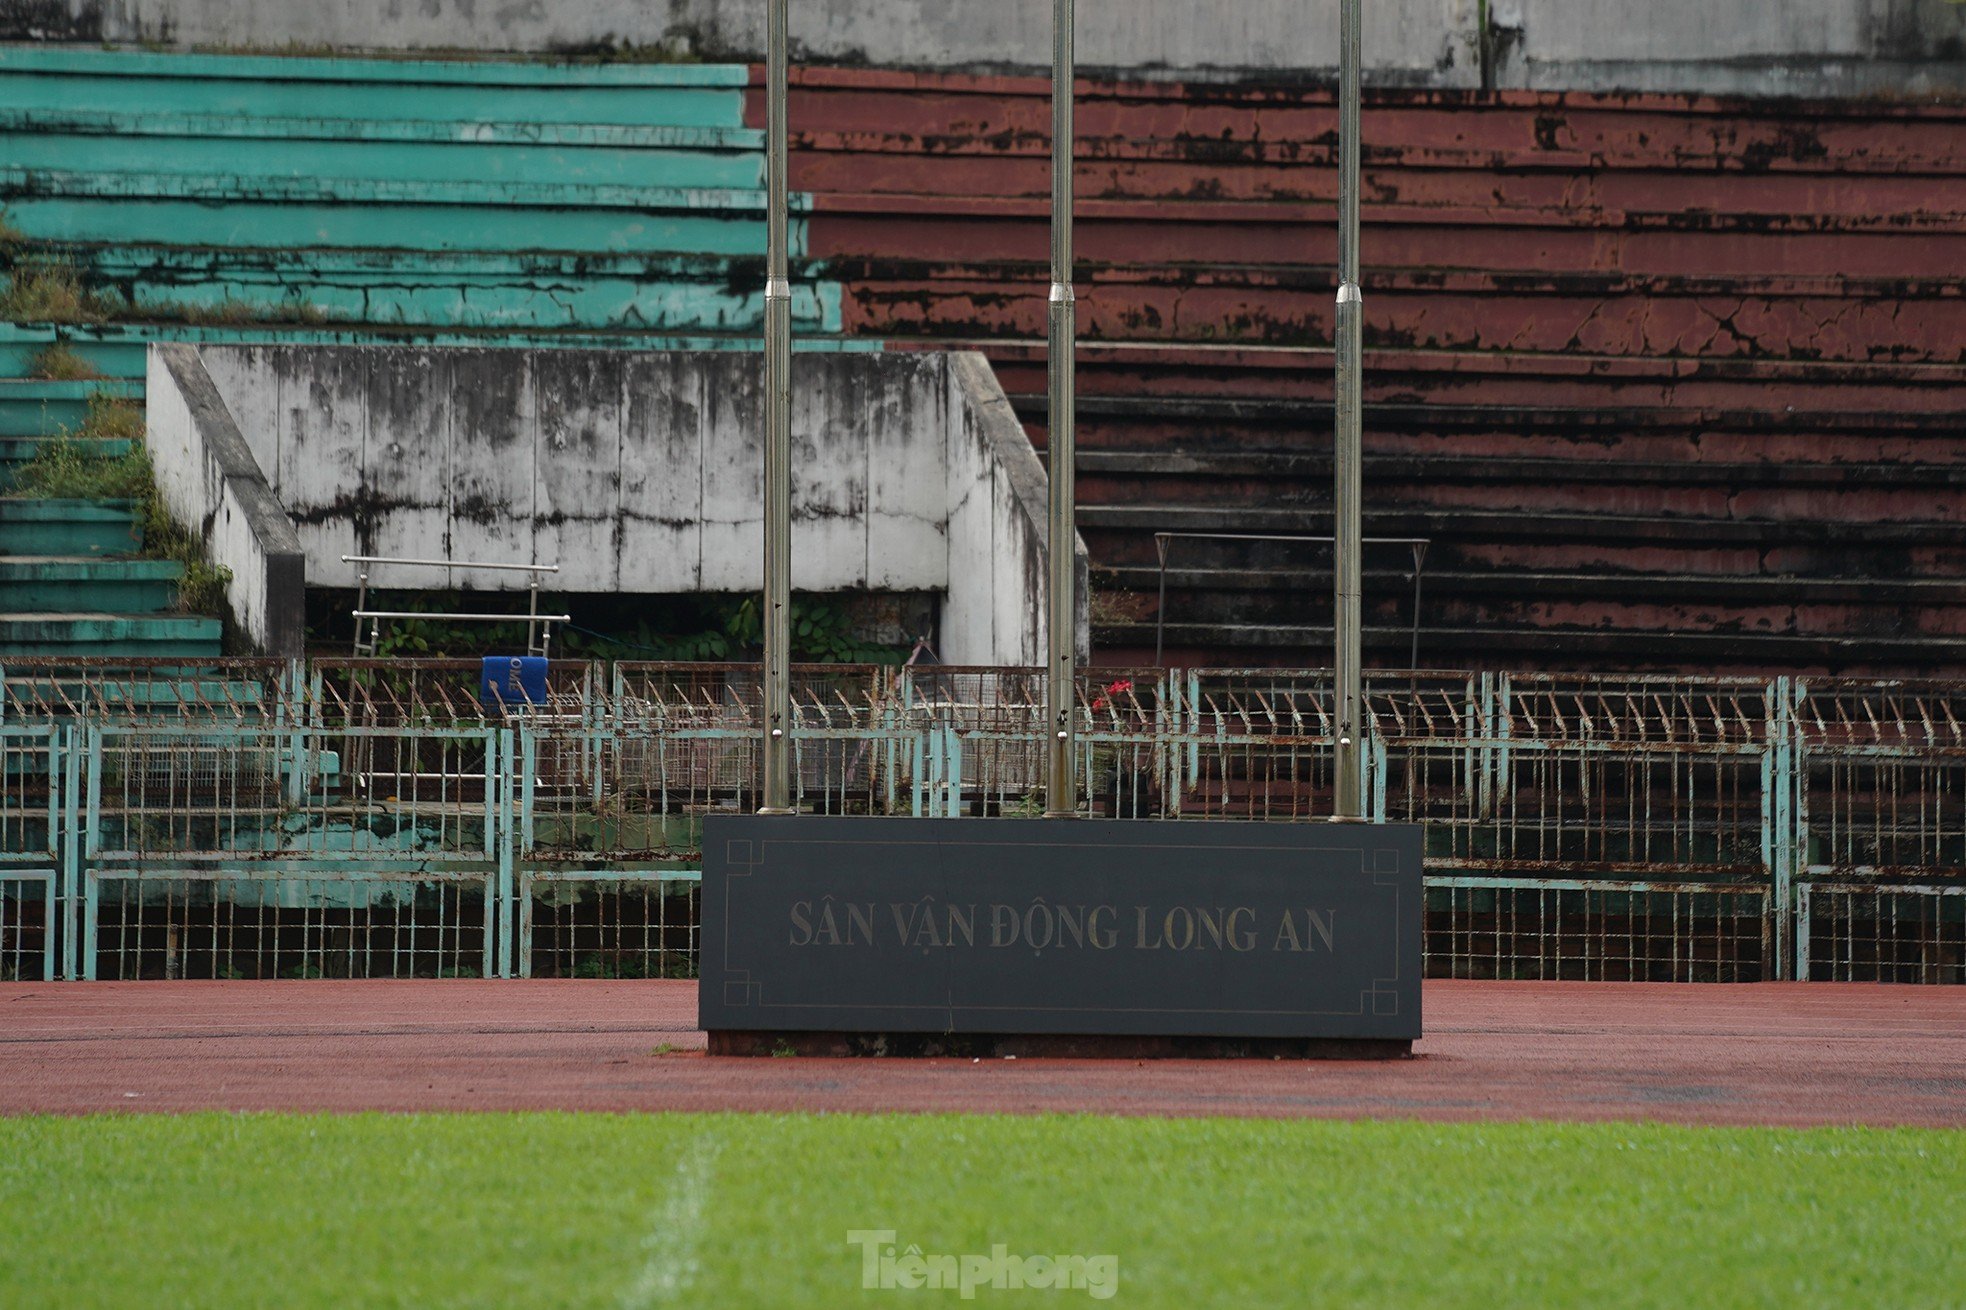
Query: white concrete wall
x=1754 y=47
x=643 y=473
x=1780 y=47
x=210 y=482
x=997 y=528
x=1430 y=41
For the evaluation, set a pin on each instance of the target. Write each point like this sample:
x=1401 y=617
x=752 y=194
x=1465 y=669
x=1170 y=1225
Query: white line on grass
x=671 y=1264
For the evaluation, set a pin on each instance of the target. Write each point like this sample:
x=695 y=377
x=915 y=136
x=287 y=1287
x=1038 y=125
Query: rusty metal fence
x=377 y=818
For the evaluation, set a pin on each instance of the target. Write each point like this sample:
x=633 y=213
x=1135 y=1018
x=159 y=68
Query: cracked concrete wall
x=1798 y=48
x=1756 y=47
x=640 y=473
x=1425 y=42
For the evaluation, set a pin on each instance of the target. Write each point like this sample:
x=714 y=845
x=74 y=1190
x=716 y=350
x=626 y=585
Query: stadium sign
x=1032 y=926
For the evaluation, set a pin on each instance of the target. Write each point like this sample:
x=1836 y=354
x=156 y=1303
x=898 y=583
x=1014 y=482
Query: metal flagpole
x=778 y=429
x=1061 y=627
x=1350 y=336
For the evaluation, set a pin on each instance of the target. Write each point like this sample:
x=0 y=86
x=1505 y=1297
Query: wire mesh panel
x=1885 y=780
x=1888 y=934
x=434 y=693
x=206 y=923
x=1883 y=832
x=27 y=924
x=1656 y=777
x=579 y=925
x=35 y=786
x=1258 y=744
x=224 y=791
x=1555 y=930
x=123 y=689
x=31 y=765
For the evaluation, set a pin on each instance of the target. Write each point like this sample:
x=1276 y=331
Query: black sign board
x=1033 y=926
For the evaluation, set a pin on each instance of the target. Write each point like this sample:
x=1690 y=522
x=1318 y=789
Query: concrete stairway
x=72 y=581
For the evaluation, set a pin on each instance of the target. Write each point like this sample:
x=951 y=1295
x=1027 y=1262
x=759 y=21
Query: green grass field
x=571 y=1210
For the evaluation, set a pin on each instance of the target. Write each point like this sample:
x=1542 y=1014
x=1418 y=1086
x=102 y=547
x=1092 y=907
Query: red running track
x=1781 y=1054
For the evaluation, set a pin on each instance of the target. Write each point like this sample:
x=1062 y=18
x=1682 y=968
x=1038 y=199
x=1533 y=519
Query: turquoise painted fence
x=443 y=195
x=373 y=818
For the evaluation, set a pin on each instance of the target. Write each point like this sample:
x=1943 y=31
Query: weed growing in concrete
x=54 y=293
x=60 y=363
x=73 y=467
x=112 y=418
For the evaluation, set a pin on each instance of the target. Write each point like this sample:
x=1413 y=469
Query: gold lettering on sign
x=823 y=926
x=1317 y=925
x=925 y=925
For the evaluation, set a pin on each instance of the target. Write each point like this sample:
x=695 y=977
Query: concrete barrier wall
x=212 y=483
x=1798 y=47
x=998 y=548
x=1421 y=41
x=643 y=473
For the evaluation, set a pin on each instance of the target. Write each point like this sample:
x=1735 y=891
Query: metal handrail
x=1419 y=546
x=539 y=627
x=450 y=564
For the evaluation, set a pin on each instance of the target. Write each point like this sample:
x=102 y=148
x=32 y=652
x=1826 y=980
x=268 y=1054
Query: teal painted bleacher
x=442 y=195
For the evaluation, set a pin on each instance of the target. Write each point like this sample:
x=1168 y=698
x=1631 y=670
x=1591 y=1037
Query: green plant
x=10 y=236
x=822 y=632
x=1029 y=806
x=60 y=363
x=611 y=964
x=304 y=971
x=53 y=293
x=461 y=971
x=72 y=468
x=665 y=1048
x=112 y=417
x=783 y=1051
x=202 y=588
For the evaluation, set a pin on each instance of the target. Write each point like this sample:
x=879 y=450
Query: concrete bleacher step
x=136 y=82
x=30 y=526
x=85 y=583
x=114 y=356
x=34 y=407
x=300 y=213
x=458 y=289
x=1443 y=523
x=396 y=191
x=263 y=147
x=18 y=451
x=101 y=634
x=118 y=349
x=1548 y=646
